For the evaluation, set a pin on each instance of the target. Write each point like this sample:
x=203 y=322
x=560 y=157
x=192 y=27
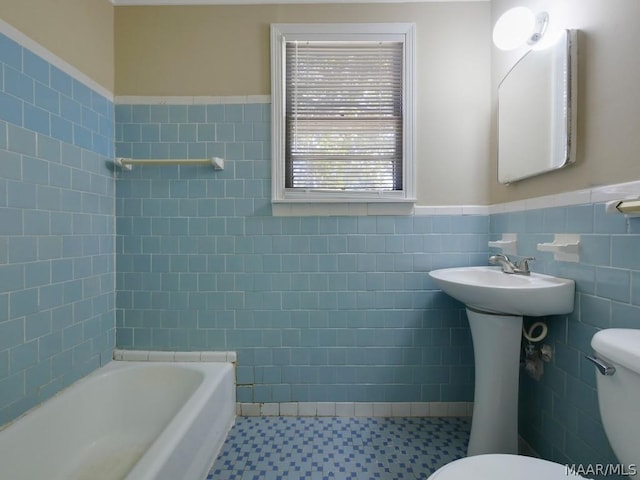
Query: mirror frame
x=564 y=112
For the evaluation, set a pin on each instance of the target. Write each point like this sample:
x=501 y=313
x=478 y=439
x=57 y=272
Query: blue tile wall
x=318 y=308
x=57 y=230
x=559 y=415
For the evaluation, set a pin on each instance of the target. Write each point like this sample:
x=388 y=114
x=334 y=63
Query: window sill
x=337 y=208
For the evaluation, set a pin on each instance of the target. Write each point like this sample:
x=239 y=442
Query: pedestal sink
x=496 y=303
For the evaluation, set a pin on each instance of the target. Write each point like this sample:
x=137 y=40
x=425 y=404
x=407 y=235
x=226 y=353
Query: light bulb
x=513 y=28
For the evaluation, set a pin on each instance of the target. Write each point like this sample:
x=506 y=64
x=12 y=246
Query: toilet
x=618 y=382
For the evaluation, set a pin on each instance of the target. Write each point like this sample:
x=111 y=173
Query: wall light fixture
x=518 y=26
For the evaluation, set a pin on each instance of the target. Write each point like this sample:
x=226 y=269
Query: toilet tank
x=619 y=394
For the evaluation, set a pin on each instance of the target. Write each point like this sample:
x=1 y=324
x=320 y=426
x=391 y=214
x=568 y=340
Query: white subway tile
x=326 y=409
x=438 y=409
x=400 y=409
x=258 y=98
x=475 y=210
x=289 y=409
x=381 y=409
x=234 y=99
x=420 y=409
x=363 y=409
x=162 y=356
x=250 y=409
x=270 y=409
x=516 y=206
x=307 y=409
x=345 y=409
x=620 y=191
x=206 y=100
x=187 y=356
x=457 y=409
x=135 y=355
x=213 y=356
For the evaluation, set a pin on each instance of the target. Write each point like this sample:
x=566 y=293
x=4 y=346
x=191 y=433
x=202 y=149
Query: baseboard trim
x=355 y=409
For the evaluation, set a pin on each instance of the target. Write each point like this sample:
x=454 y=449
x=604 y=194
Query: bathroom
x=320 y=308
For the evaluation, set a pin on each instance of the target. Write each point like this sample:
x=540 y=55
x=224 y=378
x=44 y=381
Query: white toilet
x=618 y=381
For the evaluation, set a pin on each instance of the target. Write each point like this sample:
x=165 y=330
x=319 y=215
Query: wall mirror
x=537 y=102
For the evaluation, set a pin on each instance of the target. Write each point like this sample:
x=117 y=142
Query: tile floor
x=339 y=448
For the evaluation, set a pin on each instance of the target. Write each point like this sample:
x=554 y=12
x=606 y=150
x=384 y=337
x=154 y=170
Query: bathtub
x=127 y=420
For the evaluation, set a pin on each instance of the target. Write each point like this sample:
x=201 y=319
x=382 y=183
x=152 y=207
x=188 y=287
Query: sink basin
x=490 y=290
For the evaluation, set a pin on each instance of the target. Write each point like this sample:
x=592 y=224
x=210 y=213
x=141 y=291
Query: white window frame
x=285 y=32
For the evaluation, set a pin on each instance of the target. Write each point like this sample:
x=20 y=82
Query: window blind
x=344 y=117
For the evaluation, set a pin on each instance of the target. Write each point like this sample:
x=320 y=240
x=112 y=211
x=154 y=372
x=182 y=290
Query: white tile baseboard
x=355 y=409
x=161 y=356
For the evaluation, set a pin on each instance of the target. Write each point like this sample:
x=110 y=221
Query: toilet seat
x=503 y=467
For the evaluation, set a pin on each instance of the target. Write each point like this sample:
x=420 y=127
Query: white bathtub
x=127 y=420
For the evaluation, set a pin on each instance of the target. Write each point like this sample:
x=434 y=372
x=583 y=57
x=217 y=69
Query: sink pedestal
x=496 y=345
x=496 y=341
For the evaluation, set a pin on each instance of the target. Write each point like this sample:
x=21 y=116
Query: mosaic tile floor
x=339 y=448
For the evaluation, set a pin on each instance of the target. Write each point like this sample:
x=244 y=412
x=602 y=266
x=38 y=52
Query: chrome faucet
x=521 y=267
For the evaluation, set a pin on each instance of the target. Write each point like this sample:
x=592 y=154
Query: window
x=342 y=115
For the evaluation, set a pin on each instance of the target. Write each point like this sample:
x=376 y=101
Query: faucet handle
x=523 y=263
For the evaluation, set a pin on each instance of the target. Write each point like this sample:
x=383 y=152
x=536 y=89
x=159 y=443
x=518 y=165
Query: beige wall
x=608 y=142
x=80 y=32
x=224 y=50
